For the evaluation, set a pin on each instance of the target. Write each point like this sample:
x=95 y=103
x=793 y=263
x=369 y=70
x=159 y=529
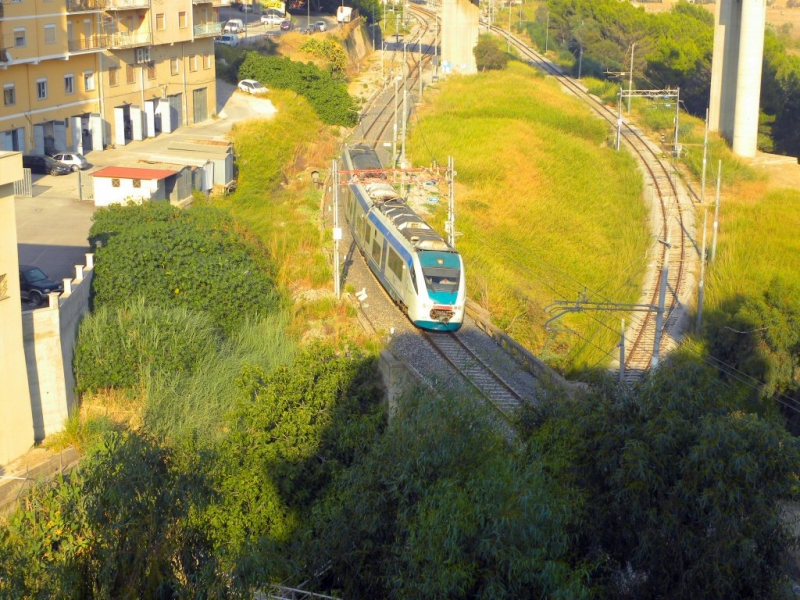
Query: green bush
x=196 y=258
x=488 y=55
x=117 y=346
x=330 y=98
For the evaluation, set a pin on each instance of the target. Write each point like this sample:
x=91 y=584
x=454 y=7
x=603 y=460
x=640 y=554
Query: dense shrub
x=116 y=346
x=329 y=97
x=488 y=55
x=194 y=258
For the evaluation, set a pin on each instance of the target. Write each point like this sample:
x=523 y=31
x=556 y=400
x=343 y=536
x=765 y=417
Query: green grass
x=545 y=205
x=280 y=211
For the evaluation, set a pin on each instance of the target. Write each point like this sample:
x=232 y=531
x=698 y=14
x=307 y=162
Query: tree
x=488 y=55
x=686 y=491
x=443 y=507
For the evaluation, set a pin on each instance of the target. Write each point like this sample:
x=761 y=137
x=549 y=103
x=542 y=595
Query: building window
x=9 y=94
x=207 y=61
x=19 y=37
x=137 y=183
x=88 y=81
x=151 y=71
x=161 y=23
x=193 y=62
x=49 y=34
x=173 y=66
x=182 y=21
x=114 y=182
x=130 y=74
x=41 y=88
x=69 y=84
x=113 y=76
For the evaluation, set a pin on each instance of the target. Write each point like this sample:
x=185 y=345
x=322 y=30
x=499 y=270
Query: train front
x=442 y=291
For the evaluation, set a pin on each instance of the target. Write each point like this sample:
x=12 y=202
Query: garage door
x=175 y=111
x=200 y=98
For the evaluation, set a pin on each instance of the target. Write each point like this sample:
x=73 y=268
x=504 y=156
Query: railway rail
x=674 y=250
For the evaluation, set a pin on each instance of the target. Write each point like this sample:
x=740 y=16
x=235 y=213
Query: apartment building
x=81 y=75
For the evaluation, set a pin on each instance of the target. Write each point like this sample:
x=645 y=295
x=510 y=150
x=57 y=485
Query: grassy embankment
x=759 y=219
x=276 y=201
x=546 y=207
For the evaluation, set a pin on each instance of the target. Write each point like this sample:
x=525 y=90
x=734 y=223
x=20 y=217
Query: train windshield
x=441 y=279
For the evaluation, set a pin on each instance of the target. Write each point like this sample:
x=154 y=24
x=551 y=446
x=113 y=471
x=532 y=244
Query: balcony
x=78 y=6
x=4 y=55
x=210 y=28
x=88 y=44
x=112 y=5
x=129 y=40
x=202 y=1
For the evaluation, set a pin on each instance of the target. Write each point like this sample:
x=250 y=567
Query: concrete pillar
x=736 y=72
x=459 y=36
x=748 y=85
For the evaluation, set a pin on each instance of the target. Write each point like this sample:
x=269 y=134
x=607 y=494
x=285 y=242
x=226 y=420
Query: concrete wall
x=48 y=339
x=459 y=36
x=16 y=423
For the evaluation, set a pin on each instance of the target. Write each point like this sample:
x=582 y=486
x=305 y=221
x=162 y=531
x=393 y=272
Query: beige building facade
x=16 y=419
x=81 y=75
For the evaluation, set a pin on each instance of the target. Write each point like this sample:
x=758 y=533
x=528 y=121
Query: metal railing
x=93 y=42
x=129 y=40
x=23 y=187
x=208 y=28
x=84 y=5
x=126 y=4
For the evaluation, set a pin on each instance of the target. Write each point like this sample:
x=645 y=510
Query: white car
x=72 y=159
x=271 y=19
x=251 y=86
x=320 y=26
x=228 y=39
x=233 y=26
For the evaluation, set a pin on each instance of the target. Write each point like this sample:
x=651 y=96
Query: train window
x=376 y=248
x=362 y=228
x=441 y=279
x=395 y=264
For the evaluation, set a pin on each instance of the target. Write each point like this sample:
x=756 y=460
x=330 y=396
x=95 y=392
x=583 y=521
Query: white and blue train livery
x=422 y=273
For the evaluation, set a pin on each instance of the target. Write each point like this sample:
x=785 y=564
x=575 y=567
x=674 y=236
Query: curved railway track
x=673 y=224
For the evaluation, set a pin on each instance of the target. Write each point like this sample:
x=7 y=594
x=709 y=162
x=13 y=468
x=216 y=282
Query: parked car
x=251 y=86
x=271 y=19
x=320 y=26
x=34 y=285
x=228 y=39
x=286 y=25
x=233 y=26
x=246 y=8
x=73 y=160
x=44 y=165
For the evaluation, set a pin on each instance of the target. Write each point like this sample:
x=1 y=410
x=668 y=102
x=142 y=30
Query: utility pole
x=419 y=70
x=450 y=224
x=716 y=215
x=677 y=114
x=619 y=117
x=508 y=37
x=394 y=128
x=547 y=32
x=580 y=53
x=662 y=295
x=337 y=231
x=705 y=156
x=630 y=79
x=701 y=284
x=405 y=126
x=622 y=353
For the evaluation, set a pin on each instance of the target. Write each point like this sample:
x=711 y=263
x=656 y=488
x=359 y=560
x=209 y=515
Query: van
x=228 y=39
x=233 y=26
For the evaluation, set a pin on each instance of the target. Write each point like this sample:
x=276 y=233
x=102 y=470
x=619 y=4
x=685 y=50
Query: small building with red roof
x=118 y=185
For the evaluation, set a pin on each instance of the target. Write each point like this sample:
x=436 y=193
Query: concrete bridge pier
x=736 y=72
x=459 y=36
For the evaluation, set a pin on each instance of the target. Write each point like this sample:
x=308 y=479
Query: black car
x=44 y=165
x=34 y=285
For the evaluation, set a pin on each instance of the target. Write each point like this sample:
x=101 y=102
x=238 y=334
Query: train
x=419 y=270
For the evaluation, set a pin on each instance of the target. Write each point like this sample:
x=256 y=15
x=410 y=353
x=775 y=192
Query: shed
x=121 y=184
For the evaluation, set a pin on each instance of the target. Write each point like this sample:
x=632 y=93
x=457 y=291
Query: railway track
x=674 y=250
x=470 y=364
